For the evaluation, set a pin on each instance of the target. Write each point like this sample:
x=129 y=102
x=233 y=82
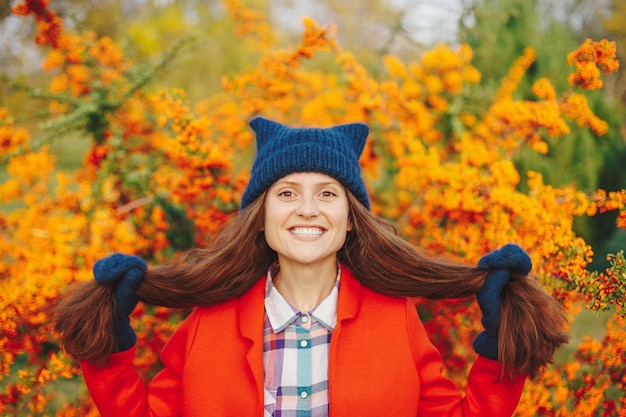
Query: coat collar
x=251 y=305
x=251 y=316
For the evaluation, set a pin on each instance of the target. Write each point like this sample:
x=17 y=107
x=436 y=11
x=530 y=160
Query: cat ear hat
x=283 y=150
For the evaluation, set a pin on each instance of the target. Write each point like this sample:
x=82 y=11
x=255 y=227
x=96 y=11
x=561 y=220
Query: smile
x=306 y=231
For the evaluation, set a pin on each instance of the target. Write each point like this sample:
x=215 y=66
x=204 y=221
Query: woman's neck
x=306 y=286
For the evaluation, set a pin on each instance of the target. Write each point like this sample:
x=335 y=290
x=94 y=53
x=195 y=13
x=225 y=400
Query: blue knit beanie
x=282 y=150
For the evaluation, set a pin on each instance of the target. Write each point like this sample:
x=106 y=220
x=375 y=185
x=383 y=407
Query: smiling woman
x=302 y=301
x=306 y=222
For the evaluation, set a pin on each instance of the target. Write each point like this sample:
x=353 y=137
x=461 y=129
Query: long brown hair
x=532 y=323
x=531 y=326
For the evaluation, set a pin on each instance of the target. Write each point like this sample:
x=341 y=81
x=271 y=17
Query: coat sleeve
x=487 y=395
x=117 y=389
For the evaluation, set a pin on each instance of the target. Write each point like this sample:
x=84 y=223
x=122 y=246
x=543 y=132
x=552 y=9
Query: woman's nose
x=307 y=207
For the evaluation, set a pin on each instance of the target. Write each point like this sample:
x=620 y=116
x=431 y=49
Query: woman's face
x=306 y=218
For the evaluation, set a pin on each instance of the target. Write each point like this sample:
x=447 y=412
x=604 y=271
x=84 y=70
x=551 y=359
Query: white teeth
x=307 y=231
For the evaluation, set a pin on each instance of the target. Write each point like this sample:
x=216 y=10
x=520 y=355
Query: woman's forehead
x=307 y=178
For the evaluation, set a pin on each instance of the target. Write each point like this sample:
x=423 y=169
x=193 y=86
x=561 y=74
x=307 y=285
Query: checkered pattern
x=295 y=354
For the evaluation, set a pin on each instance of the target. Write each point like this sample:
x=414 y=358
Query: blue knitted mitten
x=125 y=273
x=502 y=262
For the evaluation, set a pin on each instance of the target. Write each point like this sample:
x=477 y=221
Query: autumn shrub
x=162 y=174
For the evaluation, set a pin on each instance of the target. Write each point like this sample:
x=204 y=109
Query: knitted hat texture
x=283 y=150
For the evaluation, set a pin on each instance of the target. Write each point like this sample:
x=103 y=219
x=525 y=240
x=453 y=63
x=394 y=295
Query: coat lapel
x=349 y=296
x=250 y=316
x=251 y=313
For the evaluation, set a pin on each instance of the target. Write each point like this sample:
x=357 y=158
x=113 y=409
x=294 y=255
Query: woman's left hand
x=502 y=262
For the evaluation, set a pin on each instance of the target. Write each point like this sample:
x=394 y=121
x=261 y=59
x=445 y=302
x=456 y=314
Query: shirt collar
x=281 y=314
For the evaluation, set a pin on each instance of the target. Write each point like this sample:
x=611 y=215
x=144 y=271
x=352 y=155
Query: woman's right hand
x=124 y=272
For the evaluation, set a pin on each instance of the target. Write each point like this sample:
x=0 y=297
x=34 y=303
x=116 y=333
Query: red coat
x=381 y=364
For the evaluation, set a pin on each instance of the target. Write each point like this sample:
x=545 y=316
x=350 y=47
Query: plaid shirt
x=295 y=354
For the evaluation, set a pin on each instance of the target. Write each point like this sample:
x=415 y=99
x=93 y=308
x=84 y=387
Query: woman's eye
x=286 y=194
x=328 y=194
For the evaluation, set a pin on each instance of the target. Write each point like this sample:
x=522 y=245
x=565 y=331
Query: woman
x=301 y=308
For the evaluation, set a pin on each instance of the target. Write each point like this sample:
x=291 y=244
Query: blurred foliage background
x=497 y=30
